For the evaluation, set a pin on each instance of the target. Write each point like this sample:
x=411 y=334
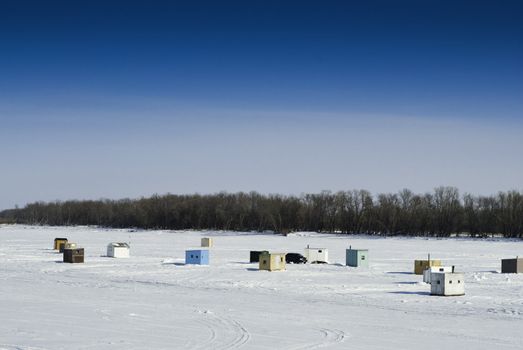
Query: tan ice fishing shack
x=272 y=261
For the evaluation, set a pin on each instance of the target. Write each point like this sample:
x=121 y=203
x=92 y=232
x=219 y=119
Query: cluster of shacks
x=75 y=255
x=71 y=253
x=443 y=280
x=277 y=261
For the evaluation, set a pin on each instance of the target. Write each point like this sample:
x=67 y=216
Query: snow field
x=153 y=301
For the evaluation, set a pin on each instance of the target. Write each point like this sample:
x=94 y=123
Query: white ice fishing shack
x=433 y=269
x=447 y=284
x=118 y=250
x=315 y=255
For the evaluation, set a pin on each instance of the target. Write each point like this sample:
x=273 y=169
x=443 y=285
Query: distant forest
x=442 y=213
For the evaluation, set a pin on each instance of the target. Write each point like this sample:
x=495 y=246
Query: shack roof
x=119 y=244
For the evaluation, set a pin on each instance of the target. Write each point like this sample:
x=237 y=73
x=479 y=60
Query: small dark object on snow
x=295 y=258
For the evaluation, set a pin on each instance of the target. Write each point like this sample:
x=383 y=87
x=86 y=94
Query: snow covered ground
x=153 y=301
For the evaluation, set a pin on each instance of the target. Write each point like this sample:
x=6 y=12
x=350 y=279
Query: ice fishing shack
x=315 y=255
x=74 y=256
x=427 y=274
x=272 y=261
x=357 y=257
x=254 y=255
x=59 y=243
x=512 y=265
x=206 y=242
x=118 y=250
x=422 y=265
x=197 y=257
x=447 y=283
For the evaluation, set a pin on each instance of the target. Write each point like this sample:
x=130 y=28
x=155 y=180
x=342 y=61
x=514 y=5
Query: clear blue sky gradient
x=126 y=98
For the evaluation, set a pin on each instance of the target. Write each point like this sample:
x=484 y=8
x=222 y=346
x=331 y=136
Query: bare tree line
x=441 y=213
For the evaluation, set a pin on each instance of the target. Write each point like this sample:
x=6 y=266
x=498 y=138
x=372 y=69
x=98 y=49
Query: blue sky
x=123 y=99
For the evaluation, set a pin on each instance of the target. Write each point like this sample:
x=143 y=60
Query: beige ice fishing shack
x=272 y=261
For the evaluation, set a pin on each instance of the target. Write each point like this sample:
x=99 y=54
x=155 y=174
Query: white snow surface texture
x=153 y=301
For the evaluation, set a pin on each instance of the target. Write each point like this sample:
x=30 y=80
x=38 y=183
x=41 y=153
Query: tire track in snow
x=244 y=335
x=330 y=337
x=212 y=338
x=18 y=347
x=226 y=333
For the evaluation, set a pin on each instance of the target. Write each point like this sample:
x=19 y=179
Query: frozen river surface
x=153 y=301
